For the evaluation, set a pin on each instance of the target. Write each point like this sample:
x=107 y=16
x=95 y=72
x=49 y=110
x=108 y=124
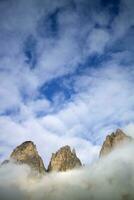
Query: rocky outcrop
x=114 y=140
x=27 y=153
x=64 y=160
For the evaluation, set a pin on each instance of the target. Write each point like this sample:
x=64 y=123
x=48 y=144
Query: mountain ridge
x=64 y=159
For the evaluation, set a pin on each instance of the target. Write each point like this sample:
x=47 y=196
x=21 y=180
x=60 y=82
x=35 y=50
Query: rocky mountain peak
x=27 y=153
x=64 y=159
x=113 y=140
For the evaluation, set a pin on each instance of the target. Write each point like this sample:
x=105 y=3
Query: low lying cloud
x=109 y=178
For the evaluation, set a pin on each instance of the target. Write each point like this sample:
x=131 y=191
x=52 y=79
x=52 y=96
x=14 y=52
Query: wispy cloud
x=82 y=52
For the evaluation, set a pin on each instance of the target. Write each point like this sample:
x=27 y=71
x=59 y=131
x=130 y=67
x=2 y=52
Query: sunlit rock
x=27 y=153
x=114 y=140
x=64 y=159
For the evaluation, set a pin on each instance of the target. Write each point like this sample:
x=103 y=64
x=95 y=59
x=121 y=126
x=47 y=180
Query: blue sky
x=66 y=73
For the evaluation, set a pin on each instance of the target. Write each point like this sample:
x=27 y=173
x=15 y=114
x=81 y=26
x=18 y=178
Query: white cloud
x=109 y=178
x=97 y=41
x=103 y=99
x=81 y=123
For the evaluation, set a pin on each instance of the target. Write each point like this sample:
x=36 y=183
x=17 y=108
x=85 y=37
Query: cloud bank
x=109 y=178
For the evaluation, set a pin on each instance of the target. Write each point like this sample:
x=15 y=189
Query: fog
x=109 y=178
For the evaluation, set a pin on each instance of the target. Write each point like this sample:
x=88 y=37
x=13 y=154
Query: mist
x=111 y=178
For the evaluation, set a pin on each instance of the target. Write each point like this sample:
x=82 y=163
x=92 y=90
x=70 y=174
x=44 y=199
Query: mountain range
x=65 y=158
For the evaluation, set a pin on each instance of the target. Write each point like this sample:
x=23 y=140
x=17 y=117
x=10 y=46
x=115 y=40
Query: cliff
x=27 y=153
x=64 y=159
x=114 y=140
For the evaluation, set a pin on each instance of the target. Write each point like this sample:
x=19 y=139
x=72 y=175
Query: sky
x=66 y=74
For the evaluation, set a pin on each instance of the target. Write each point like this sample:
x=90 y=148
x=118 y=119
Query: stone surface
x=27 y=153
x=64 y=160
x=114 y=140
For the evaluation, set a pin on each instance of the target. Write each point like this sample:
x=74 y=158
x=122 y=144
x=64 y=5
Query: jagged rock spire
x=27 y=153
x=64 y=159
x=113 y=141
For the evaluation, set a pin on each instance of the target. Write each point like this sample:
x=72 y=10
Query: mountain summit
x=64 y=159
x=27 y=153
x=113 y=140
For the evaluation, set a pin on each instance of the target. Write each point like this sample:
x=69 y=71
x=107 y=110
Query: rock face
x=64 y=160
x=113 y=140
x=27 y=153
